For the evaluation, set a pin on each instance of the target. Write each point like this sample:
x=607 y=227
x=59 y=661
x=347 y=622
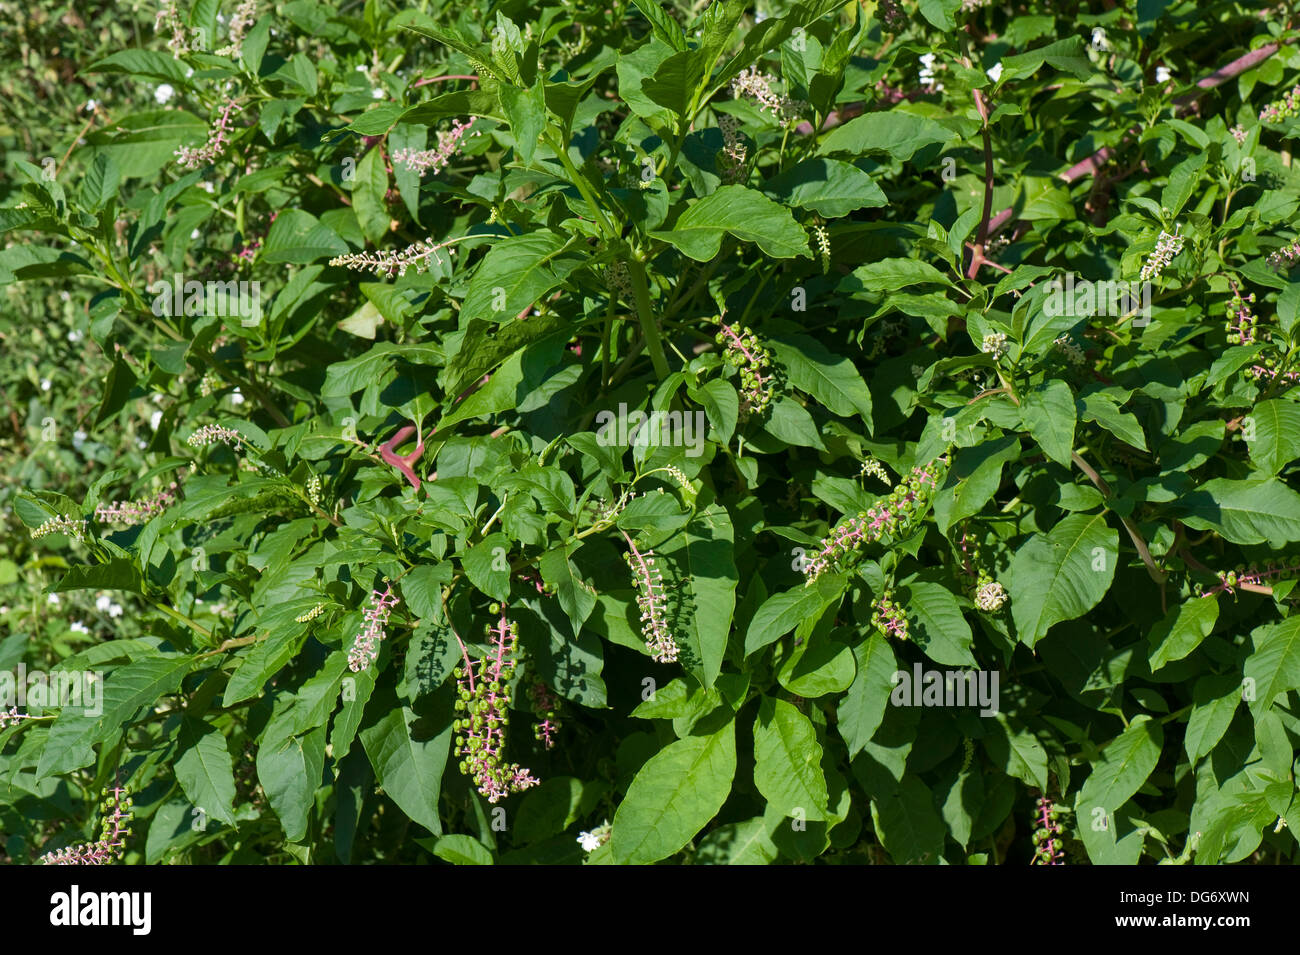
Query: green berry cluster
x=743 y=351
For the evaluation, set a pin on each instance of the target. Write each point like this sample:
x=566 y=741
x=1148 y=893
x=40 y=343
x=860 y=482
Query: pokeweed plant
x=714 y=433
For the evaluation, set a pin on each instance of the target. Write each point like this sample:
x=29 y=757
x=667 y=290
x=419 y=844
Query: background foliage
x=626 y=185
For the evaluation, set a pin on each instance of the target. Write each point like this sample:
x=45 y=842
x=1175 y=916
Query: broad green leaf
x=1125 y=764
x=368 y=192
x=289 y=769
x=1275 y=425
x=1244 y=512
x=829 y=187
x=515 y=274
x=830 y=378
x=908 y=824
x=745 y=213
x=894 y=131
x=673 y=796
x=707 y=595
x=409 y=768
x=1047 y=411
x=462 y=850
x=204 y=769
x=1182 y=630
x=890 y=274
x=1062 y=574
x=787 y=761
x=863 y=706
x=937 y=625
x=1274 y=666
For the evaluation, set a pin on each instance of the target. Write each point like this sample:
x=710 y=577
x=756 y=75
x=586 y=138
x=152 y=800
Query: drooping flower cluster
x=425 y=160
x=1241 y=323
x=988 y=594
x=888 y=617
x=61 y=525
x=313 y=490
x=1284 y=108
x=484 y=699
x=893 y=515
x=391 y=262
x=170 y=17
x=1047 y=833
x=1285 y=257
x=365 y=648
x=743 y=351
x=733 y=160
x=244 y=16
x=1239 y=134
x=115 y=829
x=1167 y=246
x=311 y=614
x=823 y=240
x=995 y=344
x=12 y=718
x=137 y=512
x=873 y=467
x=218 y=138
x=545 y=704
x=653 y=601
x=758 y=86
x=212 y=434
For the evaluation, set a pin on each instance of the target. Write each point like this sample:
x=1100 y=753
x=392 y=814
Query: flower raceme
x=389 y=263
x=891 y=516
x=365 y=648
x=115 y=828
x=434 y=160
x=484 y=701
x=653 y=601
x=137 y=512
x=1047 y=834
x=218 y=138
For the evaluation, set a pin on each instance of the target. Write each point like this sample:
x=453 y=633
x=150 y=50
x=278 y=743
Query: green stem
x=641 y=291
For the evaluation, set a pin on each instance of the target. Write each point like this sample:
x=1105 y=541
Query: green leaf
x=1017 y=752
x=1214 y=702
x=487 y=565
x=1061 y=575
x=1068 y=55
x=703 y=555
x=576 y=596
x=1245 y=512
x=1274 y=666
x=128 y=691
x=1276 y=441
x=525 y=110
x=204 y=769
x=673 y=796
x=1125 y=764
x=895 y=131
x=409 y=769
x=831 y=379
x=289 y=769
x=515 y=274
x=462 y=850
x=1047 y=412
x=784 y=611
x=829 y=187
x=940 y=630
x=745 y=213
x=368 y=192
x=787 y=761
x=890 y=274
x=973 y=479
x=1182 y=630
x=863 y=706
x=908 y=824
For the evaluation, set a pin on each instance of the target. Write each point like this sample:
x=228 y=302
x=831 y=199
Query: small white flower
x=91 y=105
x=65 y=297
x=75 y=336
x=361 y=68
x=591 y=841
x=53 y=599
x=1099 y=39
x=195 y=234
x=103 y=602
x=376 y=94
x=207 y=186
x=78 y=439
x=1162 y=74
x=79 y=627
x=995 y=71
x=189 y=72
x=3 y=611
x=154 y=419
x=236 y=398
x=141 y=444
x=163 y=93
x=45 y=384
x=115 y=610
